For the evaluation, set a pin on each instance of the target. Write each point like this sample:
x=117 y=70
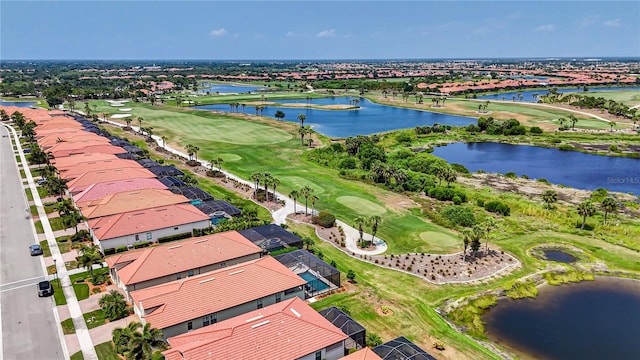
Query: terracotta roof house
x=148 y=225
x=51 y=140
x=73 y=160
x=191 y=303
x=59 y=123
x=103 y=189
x=41 y=133
x=139 y=269
x=87 y=179
x=75 y=145
x=287 y=330
x=101 y=148
x=84 y=167
x=362 y=354
x=129 y=201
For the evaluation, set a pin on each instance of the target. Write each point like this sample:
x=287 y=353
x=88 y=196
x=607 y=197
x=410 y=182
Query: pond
x=570 y=168
x=558 y=256
x=24 y=104
x=229 y=88
x=588 y=320
x=527 y=96
x=370 y=118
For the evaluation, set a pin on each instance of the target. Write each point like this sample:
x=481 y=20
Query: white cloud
x=218 y=32
x=547 y=27
x=326 y=33
x=613 y=23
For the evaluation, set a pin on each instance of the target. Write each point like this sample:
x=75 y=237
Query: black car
x=35 y=250
x=45 y=288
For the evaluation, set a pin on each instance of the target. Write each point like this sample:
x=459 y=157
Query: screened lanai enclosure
x=320 y=276
x=401 y=349
x=356 y=332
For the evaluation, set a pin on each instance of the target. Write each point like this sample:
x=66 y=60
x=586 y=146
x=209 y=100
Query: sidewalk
x=82 y=333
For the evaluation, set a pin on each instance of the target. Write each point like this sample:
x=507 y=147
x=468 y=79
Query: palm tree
x=89 y=255
x=114 y=305
x=487 y=225
x=467 y=236
x=141 y=344
x=128 y=121
x=302 y=118
x=375 y=221
x=140 y=119
x=164 y=140
x=549 y=197
x=121 y=336
x=266 y=181
x=306 y=192
x=256 y=176
x=313 y=198
x=64 y=207
x=294 y=194
x=609 y=204
x=360 y=222
x=612 y=124
x=219 y=162
x=586 y=209
x=303 y=131
x=274 y=183
x=573 y=120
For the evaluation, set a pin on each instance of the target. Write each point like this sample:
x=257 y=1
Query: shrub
x=511 y=175
x=373 y=340
x=325 y=219
x=480 y=202
x=81 y=235
x=456 y=200
x=535 y=130
x=348 y=163
x=498 y=207
x=614 y=148
x=565 y=147
x=460 y=168
x=165 y=239
x=109 y=251
x=141 y=244
x=120 y=249
x=459 y=215
x=445 y=194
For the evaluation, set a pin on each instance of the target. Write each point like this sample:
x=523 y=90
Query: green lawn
x=42 y=192
x=627 y=97
x=29 y=194
x=81 y=290
x=56 y=224
x=77 y=356
x=48 y=209
x=106 y=351
x=95 y=318
x=68 y=327
x=46 y=252
x=58 y=294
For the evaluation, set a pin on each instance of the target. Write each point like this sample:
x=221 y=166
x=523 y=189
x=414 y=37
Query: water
x=570 y=168
x=229 y=88
x=588 y=320
x=559 y=256
x=24 y=104
x=527 y=96
x=370 y=118
x=315 y=285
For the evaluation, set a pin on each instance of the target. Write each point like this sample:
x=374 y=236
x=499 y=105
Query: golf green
x=440 y=241
x=361 y=206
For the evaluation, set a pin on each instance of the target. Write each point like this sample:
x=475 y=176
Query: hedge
x=181 y=236
x=141 y=244
x=325 y=219
x=498 y=207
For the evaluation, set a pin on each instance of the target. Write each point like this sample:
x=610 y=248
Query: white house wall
x=153 y=237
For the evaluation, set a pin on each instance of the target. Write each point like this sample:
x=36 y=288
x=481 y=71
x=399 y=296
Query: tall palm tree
x=586 y=209
x=360 y=222
x=164 y=140
x=142 y=344
x=313 y=198
x=467 y=237
x=274 y=184
x=375 y=221
x=121 y=336
x=306 y=192
x=573 y=120
x=89 y=255
x=487 y=225
x=114 y=305
x=128 y=121
x=64 y=207
x=549 y=197
x=302 y=118
x=140 y=120
x=256 y=177
x=609 y=204
x=266 y=181
x=294 y=194
x=303 y=131
x=219 y=162
x=612 y=124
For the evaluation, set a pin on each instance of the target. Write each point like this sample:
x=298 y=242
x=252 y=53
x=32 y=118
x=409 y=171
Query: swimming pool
x=314 y=284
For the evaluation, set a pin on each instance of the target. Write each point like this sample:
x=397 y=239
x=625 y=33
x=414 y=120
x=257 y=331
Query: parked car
x=42 y=181
x=45 y=288
x=26 y=151
x=35 y=250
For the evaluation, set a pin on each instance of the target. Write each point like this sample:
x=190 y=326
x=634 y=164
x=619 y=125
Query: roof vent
x=201 y=241
x=260 y=324
x=295 y=312
x=207 y=280
x=237 y=272
x=255 y=318
x=174 y=247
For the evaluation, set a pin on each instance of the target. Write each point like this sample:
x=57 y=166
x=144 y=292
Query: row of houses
x=220 y=296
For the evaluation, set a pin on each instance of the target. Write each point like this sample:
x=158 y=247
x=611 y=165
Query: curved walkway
x=541 y=105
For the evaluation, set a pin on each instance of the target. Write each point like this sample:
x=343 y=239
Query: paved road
x=29 y=329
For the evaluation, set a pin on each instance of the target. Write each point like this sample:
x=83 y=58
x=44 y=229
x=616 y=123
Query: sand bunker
x=120 y=116
x=125 y=109
x=116 y=104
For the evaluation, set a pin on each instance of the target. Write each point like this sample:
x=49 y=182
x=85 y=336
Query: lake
x=570 y=168
x=24 y=104
x=370 y=118
x=527 y=96
x=229 y=88
x=587 y=320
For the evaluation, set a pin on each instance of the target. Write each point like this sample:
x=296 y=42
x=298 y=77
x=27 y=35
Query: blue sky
x=225 y=30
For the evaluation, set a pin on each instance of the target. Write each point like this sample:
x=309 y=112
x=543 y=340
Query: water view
x=527 y=96
x=229 y=88
x=588 y=320
x=571 y=168
x=370 y=118
x=25 y=104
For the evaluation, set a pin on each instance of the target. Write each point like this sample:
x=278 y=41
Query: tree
x=256 y=176
x=586 y=209
x=306 y=192
x=308 y=242
x=487 y=225
x=274 y=184
x=279 y=115
x=141 y=344
x=573 y=119
x=128 y=121
x=351 y=275
x=467 y=236
x=140 y=120
x=612 y=124
x=89 y=255
x=550 y=197
x=64 y=207
x=313 y=198
x=449 y=175
x=164 y=140
x=294 y=194
x=302 y=118
x=374 y=221
x=303 y=131
x=609 y=204
x=121 y=336
x=360 y=222
x=114 y=305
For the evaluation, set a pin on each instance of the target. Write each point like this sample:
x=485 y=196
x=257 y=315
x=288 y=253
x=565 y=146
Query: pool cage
x=321 y=277
x=401 y=349
x=356 y=332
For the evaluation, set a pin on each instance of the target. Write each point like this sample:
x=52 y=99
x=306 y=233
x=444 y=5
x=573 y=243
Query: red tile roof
x=73 y=160
x=79 y=169
x=103 y=149
x=168 y=259
x=126 y=201
x=200 y=295
x=103 y=189
x=71 y=137
x=362 y=354
x=287 y=330
x=139 y=221
x=93 y=177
